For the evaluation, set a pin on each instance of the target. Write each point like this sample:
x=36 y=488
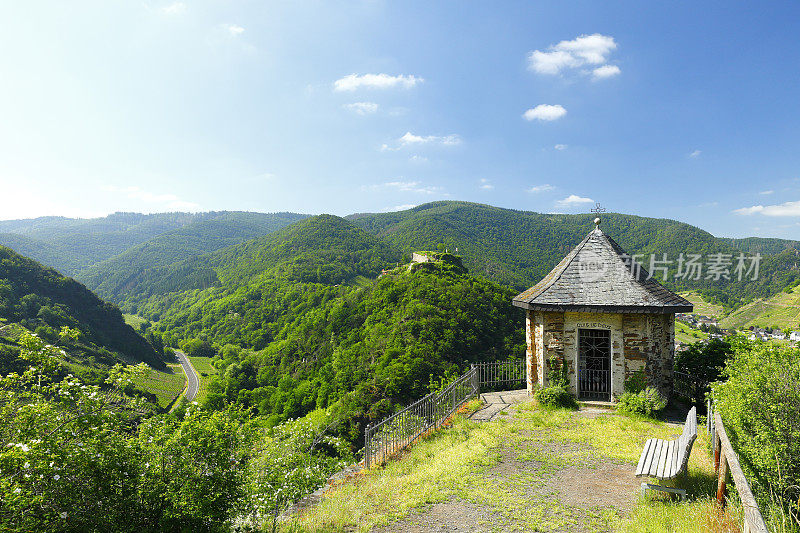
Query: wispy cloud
x=233 y=29
x=352 y=82
x=695 y=154
x=404 y=207
x=585 y=50
x=606 y=71
x=174 y=8
x=574 y=200
x=545 y=112
x=418 y=159
x=770 y=191
x=411 y=140
x=560 y=147
x=541 y=188
x=446 y=140
x=362 y=108
x=786 y=209
x=486 y=185
x=163 y=201
x=415 y=187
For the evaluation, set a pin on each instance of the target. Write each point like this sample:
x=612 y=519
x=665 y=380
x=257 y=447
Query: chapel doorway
x=594 y=364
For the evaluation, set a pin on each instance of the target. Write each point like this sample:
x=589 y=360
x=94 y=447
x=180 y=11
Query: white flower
x=27 y=465
x=64 y=514
x=17 y=490
x=56 y=477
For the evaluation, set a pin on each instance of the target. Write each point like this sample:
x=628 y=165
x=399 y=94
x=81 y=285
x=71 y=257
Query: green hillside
x=71 y=245
x=517 y=248
x=781 y=310
x=303 y=323
x=42 y=300
x=115 y=276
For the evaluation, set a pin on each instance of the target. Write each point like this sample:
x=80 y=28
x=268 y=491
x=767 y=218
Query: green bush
x=555 y=397
x=760 y=405
x=645 y=402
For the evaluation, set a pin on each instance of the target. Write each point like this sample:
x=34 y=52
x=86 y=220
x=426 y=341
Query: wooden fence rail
x=726 y=460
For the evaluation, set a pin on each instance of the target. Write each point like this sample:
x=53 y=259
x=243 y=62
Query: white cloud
x=404 y=207
x=574 y=200
x=695 y=154
x=545 y=112
x=786 y=209
x=770 y=191
x=412 y=186
x=175 y=8
x=541 y=188
x=362 y=108
x=560 y=147
x=418 y=159
x=606 y=71
x=409 y=139
x=164 y=201
x=233 y=29
x=583 y=50
x=352 y=82
x=446 y=140
x=486 y=185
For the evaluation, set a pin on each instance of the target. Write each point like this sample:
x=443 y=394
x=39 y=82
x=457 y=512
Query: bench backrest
x=687 y=439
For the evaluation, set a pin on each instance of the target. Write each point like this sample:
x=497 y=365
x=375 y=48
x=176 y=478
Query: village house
x=604 y=317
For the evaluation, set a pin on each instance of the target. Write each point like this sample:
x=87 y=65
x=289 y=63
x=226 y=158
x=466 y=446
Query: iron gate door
x=594 y=364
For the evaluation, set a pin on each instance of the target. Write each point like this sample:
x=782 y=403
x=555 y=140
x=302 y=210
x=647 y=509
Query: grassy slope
x=702 y=306
x=686 y=334
x=452 y=464
x=782 y=310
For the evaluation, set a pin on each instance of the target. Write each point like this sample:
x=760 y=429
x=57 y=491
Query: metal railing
x=392 y=435
x=726 y=459
x=689 y=388
x=594 y=384
x=501 y=373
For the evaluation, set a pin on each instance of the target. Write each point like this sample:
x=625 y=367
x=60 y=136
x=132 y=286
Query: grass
x=166 y=385
x=204 y=369
x=686 y=334
x=456 y=464
x=134 y=321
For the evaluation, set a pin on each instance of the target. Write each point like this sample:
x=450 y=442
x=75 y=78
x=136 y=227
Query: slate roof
x=596 y=276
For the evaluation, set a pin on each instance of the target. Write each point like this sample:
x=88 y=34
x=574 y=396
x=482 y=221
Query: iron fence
x=691 y=389
x=499 y=374
x=395 y=433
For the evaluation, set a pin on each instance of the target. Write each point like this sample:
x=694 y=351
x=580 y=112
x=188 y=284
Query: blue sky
x=684 y=110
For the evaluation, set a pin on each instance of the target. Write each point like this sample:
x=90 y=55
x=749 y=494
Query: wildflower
x=64 y=514
x=56 y=477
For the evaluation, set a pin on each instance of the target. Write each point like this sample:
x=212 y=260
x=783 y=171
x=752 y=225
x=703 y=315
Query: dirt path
x=539 y=484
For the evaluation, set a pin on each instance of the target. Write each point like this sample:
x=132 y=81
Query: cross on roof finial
x=597 y=209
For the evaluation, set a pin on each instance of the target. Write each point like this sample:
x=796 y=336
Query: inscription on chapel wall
x=593 y=325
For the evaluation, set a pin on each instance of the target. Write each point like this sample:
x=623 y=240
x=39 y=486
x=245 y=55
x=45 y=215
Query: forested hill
x=42 y=300
x=112 y=277
x=517 y=248
x=70 y=245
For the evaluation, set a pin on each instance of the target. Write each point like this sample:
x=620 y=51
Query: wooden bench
x=667 y=459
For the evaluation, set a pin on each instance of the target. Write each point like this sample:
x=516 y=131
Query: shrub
x=555 y=397
x=557 y=373
x=645 y=402
x=760 y=406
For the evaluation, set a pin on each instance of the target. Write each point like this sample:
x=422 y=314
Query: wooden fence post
x=722 y=475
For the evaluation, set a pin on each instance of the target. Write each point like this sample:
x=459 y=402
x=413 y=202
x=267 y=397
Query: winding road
x=192 y=378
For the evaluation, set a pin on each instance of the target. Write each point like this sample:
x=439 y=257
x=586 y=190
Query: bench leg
x=680 y=492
